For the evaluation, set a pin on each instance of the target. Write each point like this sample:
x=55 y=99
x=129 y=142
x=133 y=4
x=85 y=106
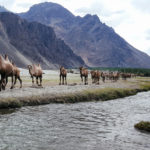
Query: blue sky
x=129 y=18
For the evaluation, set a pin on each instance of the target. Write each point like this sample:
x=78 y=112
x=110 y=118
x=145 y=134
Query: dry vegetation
x=143 y=125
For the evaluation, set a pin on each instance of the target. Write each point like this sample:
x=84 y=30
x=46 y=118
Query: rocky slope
x=94 y=41
x=31 y=42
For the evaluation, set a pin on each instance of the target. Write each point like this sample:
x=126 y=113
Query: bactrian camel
x=16 y=74
x=36 y=71
x=63 y=75
x=6 y=70
x=84 y=73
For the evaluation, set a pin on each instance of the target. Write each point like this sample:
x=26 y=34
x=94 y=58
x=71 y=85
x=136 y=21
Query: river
x=105 y=125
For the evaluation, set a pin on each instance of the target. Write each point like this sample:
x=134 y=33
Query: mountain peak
x=87 y=16
x=48 y=12
x=92 y=18
x=50 y=9
x=46 y=5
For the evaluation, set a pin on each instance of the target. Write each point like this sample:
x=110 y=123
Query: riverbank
x=74 y=92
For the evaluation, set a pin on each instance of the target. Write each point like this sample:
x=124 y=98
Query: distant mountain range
x=31 y=42
x=98 y=44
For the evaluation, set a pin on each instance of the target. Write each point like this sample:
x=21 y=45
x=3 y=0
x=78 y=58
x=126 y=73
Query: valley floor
x=75 y=91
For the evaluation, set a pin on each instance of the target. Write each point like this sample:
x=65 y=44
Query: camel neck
x=30 y=71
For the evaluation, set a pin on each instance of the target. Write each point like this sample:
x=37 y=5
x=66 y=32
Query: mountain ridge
x=98 y=44
x=32 y=42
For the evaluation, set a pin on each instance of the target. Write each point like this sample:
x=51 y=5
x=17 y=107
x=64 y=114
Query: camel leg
x=93 y=80
x=40 y=81
x=37 y=81
x=20 y=81
x=2 y=85
x=86 y=80
x=81 y=78
x=60 y=80
x=98 y=81
x=65 y=81
x=15 y=80
x=12 y=82
x=103 y=79
x=32 y=80
x=6 y=81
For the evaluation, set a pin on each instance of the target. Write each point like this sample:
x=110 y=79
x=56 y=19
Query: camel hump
x=39 y=66
x=34 y=66
x=13 y=63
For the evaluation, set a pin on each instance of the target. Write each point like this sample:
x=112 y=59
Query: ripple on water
x=94 y=125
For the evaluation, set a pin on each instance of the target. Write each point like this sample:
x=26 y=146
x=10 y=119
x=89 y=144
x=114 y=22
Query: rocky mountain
x=98 y=44
x=31 y=42
x=3 y=9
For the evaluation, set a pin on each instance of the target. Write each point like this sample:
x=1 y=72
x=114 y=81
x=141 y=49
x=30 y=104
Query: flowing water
x=83 y=126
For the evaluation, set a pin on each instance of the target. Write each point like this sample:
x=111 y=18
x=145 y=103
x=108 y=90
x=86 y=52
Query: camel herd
x=9 y=69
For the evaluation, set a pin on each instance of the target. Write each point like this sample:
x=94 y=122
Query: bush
x=143 y=125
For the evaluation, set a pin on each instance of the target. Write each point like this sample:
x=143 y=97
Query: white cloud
x=142 y=5
x=129 y=18
x=95 y=8
x=7 y=3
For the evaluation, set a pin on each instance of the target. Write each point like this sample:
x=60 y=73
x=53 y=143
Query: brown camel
x=116 y=76
x=63 y=75
x=92 y=75
x=16 y=74
x=103 y=75
x=36 y=71
x=95 y=75
x=6 y=69
x=84 y=73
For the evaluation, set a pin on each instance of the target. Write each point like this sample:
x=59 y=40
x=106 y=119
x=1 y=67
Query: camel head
x=62 y=68
x=81 y=68
x=29 y=67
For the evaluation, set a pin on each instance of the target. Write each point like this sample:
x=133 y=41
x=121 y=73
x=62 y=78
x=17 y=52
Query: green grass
x=143 y=125
x=99 y=95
